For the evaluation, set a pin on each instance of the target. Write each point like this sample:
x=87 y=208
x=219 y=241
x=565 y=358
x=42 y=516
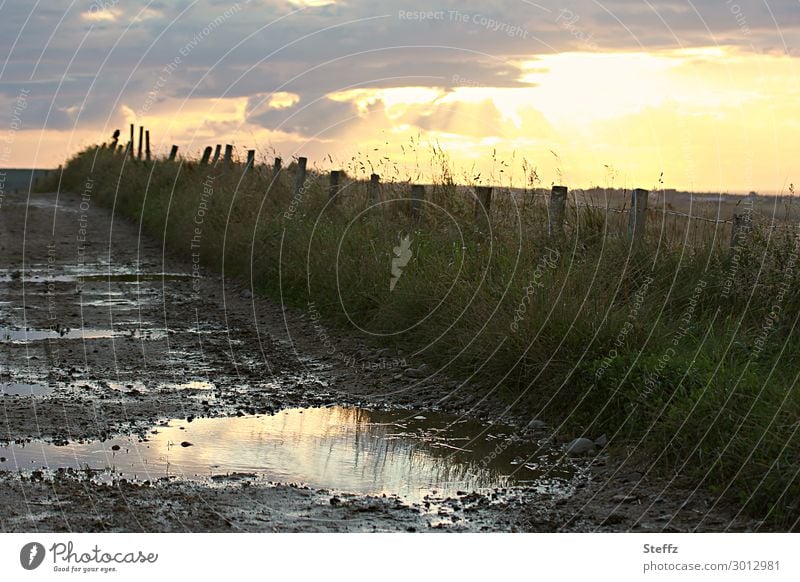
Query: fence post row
x=333 y=186
x=417 y=196
x=300 y=178
x=638 y=213
x=555 y=211
x=483 y=195
x=374 y=188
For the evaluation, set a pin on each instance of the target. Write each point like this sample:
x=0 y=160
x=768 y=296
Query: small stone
x=415 y=372
x=536 y=424
x=2 y=459
x=335 y=501
x=186 y=444
x=580 y=446
x=115 y=447
x=601 y=441
x=246 y=294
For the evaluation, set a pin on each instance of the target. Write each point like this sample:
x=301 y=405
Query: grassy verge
x=682 y=352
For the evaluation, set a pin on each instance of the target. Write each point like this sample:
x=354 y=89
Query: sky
x=699 y=95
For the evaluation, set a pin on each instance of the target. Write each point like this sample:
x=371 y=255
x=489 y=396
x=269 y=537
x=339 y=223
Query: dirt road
x=139 y=396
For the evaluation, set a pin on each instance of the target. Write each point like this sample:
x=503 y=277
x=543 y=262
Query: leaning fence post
x=555 y=211
x=228 y=154
x=300 y=178
x=251 y=160
x=333 y=185
x=374 y=188
x=173 y=152
x=739 y=228
x=483 y=200
x=417 y=196
x=141 y=139
x=147 y=145
x=216 y=154
x=638 y=213
x=206 y=156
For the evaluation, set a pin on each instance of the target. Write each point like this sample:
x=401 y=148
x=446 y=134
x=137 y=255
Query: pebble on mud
x=537 y=424
x=115 y=447
x=580 y=446
x=186 y=444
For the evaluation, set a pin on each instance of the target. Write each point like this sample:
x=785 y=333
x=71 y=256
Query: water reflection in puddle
x=344 y=449
x=24 y=389
x=23 y=336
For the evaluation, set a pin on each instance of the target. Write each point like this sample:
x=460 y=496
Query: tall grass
x=679 y=348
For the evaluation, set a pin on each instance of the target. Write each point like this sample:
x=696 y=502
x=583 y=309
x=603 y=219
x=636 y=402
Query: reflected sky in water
x=343 y=449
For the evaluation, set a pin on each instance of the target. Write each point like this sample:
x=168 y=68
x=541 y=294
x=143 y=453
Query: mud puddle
x=343 y=449
x=43 y=275
x=25 y=336
x=24 y=389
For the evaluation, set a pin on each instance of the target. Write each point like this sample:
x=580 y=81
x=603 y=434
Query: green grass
x=667 y=346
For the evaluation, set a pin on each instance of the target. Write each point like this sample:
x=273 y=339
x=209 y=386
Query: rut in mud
x=138 y=397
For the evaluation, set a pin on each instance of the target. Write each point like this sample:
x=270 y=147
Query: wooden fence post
x=276 y=167
x=147 y=145
x=637 y=216
x=251 y=160
x=417 y=196
x=173 y=153
x=216 y=154
x=141 y=139
x=228 y=155
x=483 y=195
x=555 y=211
x=131 y=143
x=740 y=227
x=206 y=156
x=374 y=188
x=333 y=184
x=300 y=178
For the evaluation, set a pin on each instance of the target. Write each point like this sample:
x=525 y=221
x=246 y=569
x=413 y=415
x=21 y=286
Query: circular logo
x=31 y=555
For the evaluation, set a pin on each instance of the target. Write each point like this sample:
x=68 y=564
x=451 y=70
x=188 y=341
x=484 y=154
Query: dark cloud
x=211 y=48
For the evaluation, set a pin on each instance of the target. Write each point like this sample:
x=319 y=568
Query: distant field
x=20 y=178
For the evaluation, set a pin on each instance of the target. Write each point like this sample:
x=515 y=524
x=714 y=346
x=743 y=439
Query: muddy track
x=106 y=337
